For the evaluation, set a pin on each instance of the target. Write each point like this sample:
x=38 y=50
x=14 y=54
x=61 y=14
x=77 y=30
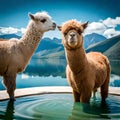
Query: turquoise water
x=42 y=72
x=51 y=72
x=59 y=107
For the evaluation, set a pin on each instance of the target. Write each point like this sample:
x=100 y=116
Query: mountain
x=51 y=53
x=114 y=51
x=49 y=48
x=53 y=48
x=8 y=36
x=46 y=67
x=109 y=47
x=49 y=44
x=104 y=45
x=92 y=39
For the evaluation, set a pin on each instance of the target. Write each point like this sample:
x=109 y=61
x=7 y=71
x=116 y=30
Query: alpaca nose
x=54 y=24
x=72 y=34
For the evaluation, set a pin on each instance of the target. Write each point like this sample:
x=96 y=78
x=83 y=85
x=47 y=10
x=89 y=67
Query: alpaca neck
x=76 y=59
x=30 y=40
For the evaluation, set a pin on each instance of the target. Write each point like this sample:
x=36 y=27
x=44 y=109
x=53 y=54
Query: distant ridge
x=104 y=45
x=8 y=36
x=109 y=47
x=114 y=51
x=92 y=39
x=53 y=48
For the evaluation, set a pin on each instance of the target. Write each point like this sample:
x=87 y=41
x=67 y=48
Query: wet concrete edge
x=48 y=90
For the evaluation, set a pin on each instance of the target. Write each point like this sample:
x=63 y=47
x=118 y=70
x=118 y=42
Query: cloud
x=11 y=30
x=105 y=27
x=23 y=30
x=109 y=22
x=95 y=27
x=8 y=30
x=111 y=32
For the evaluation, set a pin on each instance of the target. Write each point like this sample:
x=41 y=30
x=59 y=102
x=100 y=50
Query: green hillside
x=59 y=54
x=105 y=45
x=109 y=47
x=114 y=51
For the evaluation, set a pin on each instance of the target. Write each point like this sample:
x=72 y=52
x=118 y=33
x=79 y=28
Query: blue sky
x=104 y=14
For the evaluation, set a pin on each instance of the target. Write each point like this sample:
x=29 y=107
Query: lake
x=51 y=72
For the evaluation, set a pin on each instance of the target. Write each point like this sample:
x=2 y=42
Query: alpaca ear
x=59 y=28
x=84 y=25
x=31 y=16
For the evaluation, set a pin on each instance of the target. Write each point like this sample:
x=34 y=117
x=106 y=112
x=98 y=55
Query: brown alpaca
x=15 y=54
x=85 y=72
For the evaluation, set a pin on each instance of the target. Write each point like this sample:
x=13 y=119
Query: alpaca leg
x=105 y=86
x=76 y=96
x=85 y=96
x=104 y=90
x=94 y=93
x=10 y=84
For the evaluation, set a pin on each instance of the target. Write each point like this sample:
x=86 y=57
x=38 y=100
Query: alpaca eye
x=43 y=20
x=65 y=33
x=79 y=32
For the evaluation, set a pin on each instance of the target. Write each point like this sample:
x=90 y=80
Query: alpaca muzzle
x=54 y=26
x=72 y=38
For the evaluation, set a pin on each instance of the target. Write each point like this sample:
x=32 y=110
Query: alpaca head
x=42 y=22
x=72 y=33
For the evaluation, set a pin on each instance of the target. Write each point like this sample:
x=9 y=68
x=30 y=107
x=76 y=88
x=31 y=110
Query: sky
x=103 y=15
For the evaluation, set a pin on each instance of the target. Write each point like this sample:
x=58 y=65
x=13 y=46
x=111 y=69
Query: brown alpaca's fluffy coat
x=85 y=72
x=15 y=54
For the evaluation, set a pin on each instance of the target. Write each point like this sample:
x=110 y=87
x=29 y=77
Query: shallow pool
x=59 y=107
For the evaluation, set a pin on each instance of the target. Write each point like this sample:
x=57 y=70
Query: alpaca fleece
x=15 y=54
x=85 y=72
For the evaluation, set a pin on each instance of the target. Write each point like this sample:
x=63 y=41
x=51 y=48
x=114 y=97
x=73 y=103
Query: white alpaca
x=15 y=54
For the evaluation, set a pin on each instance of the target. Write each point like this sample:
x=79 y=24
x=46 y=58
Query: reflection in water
x=46 y=67
x=37 y=81
x=56 y=67
x=85 y=112
x=8 y=114
x=42 y=72
x=45 y=107
x=115 y=73
x=92 y=111
x=97 y=110
x=46 y=72
x=115 y=67
x=51 y=72
x=114 y=80
x=59 y=107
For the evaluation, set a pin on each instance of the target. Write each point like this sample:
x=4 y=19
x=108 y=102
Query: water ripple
x=60 y=107
x=54 y=107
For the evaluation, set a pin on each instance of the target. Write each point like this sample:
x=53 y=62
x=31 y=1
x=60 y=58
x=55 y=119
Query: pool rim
x=47 y=90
